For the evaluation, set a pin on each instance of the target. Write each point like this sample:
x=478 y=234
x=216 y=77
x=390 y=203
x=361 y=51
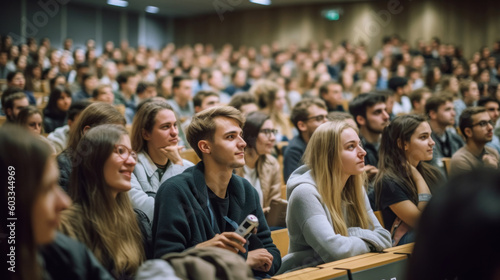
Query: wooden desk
x=403 y=249
x=342 y=261
x=294 y=273
x=321 y=274
x=381 y=266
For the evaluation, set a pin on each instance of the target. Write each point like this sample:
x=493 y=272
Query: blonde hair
x=323 y=156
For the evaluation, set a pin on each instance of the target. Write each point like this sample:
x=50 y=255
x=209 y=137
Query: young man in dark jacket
x=204 y=205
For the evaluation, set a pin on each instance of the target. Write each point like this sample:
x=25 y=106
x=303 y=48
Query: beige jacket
x=268 y=171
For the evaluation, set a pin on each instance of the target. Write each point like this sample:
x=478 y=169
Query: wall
x=469 y=24
x=60 y=19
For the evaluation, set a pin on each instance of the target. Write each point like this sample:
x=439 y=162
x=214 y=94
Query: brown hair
x=466 y=117
x=203 y=127
x=144 y=121
x=94 y=115
x=25 y=156
x=106 y=225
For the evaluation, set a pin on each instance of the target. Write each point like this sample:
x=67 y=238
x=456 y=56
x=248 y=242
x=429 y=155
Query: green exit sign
x=331 y=14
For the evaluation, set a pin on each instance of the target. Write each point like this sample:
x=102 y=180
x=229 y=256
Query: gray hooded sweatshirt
x=313 y=239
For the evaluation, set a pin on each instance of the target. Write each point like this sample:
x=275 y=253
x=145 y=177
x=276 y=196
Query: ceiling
x=186 y=8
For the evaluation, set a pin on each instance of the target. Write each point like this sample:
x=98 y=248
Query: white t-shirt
x=251 y=176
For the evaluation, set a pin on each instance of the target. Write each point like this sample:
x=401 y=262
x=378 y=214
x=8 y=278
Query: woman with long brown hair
x=404 y=182
x=102 y=216
x=94 y=115
x=31 y=248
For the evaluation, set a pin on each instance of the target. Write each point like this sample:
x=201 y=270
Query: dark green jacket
x=182 y=219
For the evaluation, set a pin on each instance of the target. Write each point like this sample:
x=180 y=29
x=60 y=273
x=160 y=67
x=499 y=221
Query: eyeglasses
x=125 y=152
x=269 y=132
x=484 y=123
x=318 y=118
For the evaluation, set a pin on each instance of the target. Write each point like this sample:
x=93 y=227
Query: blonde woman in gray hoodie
x=329 y=217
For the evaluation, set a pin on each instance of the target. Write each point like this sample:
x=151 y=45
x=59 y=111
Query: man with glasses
x=307 y=115
x=492 y=106
x=370 y=113
x=477 y=128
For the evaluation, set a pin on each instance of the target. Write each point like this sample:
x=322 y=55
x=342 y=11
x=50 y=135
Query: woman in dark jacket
x=55 y=111
x=39 y=252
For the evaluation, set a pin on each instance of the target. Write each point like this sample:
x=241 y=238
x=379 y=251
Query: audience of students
x=202 y=206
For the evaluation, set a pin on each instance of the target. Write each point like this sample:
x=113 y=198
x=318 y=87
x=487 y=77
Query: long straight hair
x=17 y=148
x=265 y=91
x=94 y=115
x=145 y=121
x=393 y=163
x=107 y=225
x=51 y=109
x=323 y=156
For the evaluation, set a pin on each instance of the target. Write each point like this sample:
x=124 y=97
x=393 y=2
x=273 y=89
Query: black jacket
x=182 y=217
x=66 y=258
x=64 y=161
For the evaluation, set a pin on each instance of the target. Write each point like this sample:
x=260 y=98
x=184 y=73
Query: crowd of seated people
x=392 y=126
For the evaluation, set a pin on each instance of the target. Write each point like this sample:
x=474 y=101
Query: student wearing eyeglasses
x=102 y=216
x=477 y=128
x=261 y=169
x=306 y=116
